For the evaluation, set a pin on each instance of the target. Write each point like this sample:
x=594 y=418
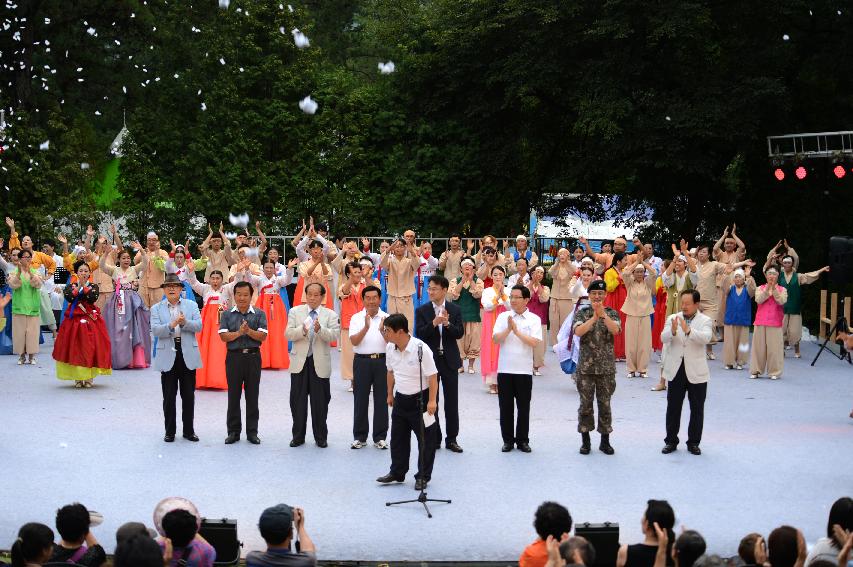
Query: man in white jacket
x=685 y=367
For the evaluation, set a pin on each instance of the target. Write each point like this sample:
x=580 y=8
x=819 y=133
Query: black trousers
x=448 y=379
x=367 y=373
x=515 y=391
x=182 y=379
x=679 y=386
x=406 y=418
x=243 y=370
x=303 y=385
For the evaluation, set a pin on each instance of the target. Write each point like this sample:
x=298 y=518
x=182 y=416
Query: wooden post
x=847 y=309
x=823 y=326
x=833 y=312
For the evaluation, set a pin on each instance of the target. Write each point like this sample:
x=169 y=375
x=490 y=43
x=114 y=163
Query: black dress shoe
x=295 y=443
x=524 y=447
x=454 y=446
x=322 y=443
x=694 y=449
x=191 y=437
x=168 y=438
x=668 y=448
x=389 y=478
x=232 y=438
x=254 y=439
x=421 y=484
x=506 y=448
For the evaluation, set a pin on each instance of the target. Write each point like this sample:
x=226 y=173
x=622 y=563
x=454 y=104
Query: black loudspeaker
x=222 y=535
x=604 y=538
x=841 y=260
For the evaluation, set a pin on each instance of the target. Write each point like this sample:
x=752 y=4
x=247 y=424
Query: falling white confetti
x=743 y=347
x=838 y=12
x=300 y=39
x=203 y=106
x=668 y=119
x=230 y=235
x=386 y=68
x=786 y=37
x=84 y=165
x=224 y=4
x=281 y=29
x=124 y=90
x=97 y=113
x=241 y=220
x=47 y=21
x=308 y=105
x=222 y=61
x=290 y=8
x=45 y=145
x=92 y=31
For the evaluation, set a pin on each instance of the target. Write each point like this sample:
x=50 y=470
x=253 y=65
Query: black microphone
x=420 y=352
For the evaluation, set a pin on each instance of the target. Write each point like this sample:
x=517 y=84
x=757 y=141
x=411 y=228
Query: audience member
x=577 y=551
x=131 y=529
x=189 y=549
x=78 y=544
x=786 y=547
x=34 y=545
x=276 y=526
x=838 y=528
x=643 y=554
x=751 y=551
x=139 y=550
x=551 y=519
x=689 y=547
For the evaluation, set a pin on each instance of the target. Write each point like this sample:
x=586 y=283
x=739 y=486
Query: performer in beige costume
x=561 y=273
x=152 y=279
x=401 y=262
x=639 y=279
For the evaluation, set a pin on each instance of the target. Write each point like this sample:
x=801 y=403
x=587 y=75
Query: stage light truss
x=797 y=156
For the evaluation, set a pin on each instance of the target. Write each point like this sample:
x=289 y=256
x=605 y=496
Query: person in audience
x=689 y=547
x=551 y=519
x=277 y=526
x=838 y=528
x=132 y=529
x=139 y=550
x=189 y=549
x=658 y=513
x=78 y=544
x=577 y=551
x=752 y=551
x=34 y=545
x=786 y=547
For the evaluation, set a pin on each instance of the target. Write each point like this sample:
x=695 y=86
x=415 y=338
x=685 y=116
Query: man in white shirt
x=410 y=367
x=368 y=369
x=518 y=331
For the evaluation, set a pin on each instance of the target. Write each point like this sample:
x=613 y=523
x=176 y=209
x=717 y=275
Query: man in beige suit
x=311 y=327
x=685 y=335
x=149 y=285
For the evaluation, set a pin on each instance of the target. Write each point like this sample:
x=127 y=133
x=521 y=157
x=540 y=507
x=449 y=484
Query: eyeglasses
x=490 y=253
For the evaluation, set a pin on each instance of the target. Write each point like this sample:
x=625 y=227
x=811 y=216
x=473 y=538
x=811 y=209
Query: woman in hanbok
x=495 y=300
x=427 y=268
x=127 y=318
x=82 y=349
x=540 y=295
x=615 y=299
x=217 y=297
x=179 y=266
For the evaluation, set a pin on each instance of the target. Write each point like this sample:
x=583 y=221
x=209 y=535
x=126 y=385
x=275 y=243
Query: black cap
x=277 y=518
x=596 y=285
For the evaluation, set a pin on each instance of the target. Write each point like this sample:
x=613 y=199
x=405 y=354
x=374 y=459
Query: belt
x=375 y=355
x=412 y=395
x=177 y=340
x=244 y=351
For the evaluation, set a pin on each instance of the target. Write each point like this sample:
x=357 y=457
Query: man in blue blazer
x=174 y=322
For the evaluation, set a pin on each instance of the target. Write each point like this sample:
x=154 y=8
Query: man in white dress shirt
x=685 y=335
x=410 y=368
x=518 y=331
x=368 y=370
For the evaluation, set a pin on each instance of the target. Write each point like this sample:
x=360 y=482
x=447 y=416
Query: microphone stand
x=422 y=497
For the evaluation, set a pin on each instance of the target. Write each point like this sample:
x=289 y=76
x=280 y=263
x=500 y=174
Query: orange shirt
x=534 y=555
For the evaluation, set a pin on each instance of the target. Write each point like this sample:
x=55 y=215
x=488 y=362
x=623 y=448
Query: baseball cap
x=597 y=285
x=277 y=518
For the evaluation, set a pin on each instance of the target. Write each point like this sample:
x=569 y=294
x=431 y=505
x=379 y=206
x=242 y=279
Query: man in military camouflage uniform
x=596 y=326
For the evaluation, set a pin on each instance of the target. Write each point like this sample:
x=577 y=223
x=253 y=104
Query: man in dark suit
x=439 y=324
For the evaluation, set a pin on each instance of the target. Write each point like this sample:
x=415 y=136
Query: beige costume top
x=218 y=260
x=561 y=276
x=638 y=303
x=153 y=276
x=450 y=263
x=401 y=274
x=707 y=278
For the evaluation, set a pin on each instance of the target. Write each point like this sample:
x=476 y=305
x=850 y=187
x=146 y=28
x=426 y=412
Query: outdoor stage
x=773 y=453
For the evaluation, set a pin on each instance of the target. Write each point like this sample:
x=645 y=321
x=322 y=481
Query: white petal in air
x=240 y=221
x=668 y=119
x=222 y=61
x=84 y=165
x=300 y=39
x=308 y=105
x=744 y=347
x=230 y=235
x=786 y=37
x=289 y=7
x=45 y=145
x=203 y=106
x=224 y=4
x=386 y=68
x=97 y=113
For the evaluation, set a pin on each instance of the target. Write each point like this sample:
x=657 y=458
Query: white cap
x=521 y=237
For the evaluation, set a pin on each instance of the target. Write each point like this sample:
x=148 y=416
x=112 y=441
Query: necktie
x=440 y=336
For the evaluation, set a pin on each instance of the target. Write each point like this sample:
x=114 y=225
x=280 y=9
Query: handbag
x=568 y=366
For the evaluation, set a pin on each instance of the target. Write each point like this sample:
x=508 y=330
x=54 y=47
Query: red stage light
x=801 y=173
x=779 y=174
x=839 y=171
